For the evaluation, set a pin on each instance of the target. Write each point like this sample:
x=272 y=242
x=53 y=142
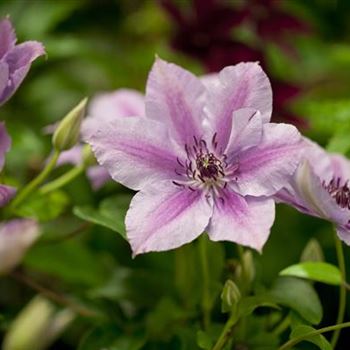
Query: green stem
x=342 y=289
x=289 y=344
x=240 y=251
x=62 y=180
x=282 y=326
x=31 y=186
x=206 y=304
x=226 y=332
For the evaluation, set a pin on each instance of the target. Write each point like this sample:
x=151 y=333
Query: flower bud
x=37 y=326
x=312 y=251
x=16 y=236
x=67 y=133
x=88 y=157
x=230 y=296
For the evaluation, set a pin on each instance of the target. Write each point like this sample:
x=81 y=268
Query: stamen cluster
x=341 y=193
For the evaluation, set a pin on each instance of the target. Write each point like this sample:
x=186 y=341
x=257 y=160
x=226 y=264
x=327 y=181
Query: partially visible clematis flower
x=320 y=187
x=15 y=60
x=6 y=192
x=203 y=158
x=105 y=106
x=16 y=236
x=206 y=30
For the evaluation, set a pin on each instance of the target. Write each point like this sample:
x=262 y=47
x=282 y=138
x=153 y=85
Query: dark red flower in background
x=204 y=29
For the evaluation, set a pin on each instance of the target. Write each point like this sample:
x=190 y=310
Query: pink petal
x=19 y=60
x=5 y=143
x=344 y=234
x=6 y=194
x=16 y=236
x=98 y=176
x=175 y=96
x=135 y=151
x=244 y=85
x=72 y=156
x=243 y=220
x=246 y=132
x=340 y=166
x=265 y=169
x=7 y=37
x=119 y=103
x=163 y=217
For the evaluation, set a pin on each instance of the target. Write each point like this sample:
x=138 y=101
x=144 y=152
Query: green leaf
x=315 y=271
x=249 y=304
x=109 y=337
x=110 y=214
x=298 y=295
x=319 y=340
x=69 y=261
x=44 y=208
x=204 y=341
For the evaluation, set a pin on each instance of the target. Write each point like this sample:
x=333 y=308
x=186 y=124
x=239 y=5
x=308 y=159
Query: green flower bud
x=230 y=296
x=88 y=157
x=37 y=326
x=67 y=133
x=312 y=251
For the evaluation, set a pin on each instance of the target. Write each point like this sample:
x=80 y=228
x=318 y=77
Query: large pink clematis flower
x=15 y=60
x=320 y=187
x=204 y=158
x=104 y=107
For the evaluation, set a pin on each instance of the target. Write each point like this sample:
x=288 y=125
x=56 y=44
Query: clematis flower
x=16 y=236
x=320 y=187
x=15 y=60
x=105 y=106
x=205 y=30
x=203 y=158
x=6 y=192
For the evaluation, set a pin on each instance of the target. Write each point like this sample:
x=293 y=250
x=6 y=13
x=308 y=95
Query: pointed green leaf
x=315 y=271
x=298 y=295
x=319 y=340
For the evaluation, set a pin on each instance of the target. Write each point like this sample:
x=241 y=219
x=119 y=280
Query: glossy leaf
x=298 y=295
x=315 y=271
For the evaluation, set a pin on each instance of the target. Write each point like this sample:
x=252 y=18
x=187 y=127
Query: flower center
x=204 y=167
x=341 y=193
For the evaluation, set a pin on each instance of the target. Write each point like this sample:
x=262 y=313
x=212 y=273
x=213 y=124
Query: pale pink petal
x=5 y=143
x=135 y=151
x=119 y=103
x=265 y=169
x=7 y=36
x=340 y=166
x=164 y=216
x=98 y=176
x=6 y=194
x=4 y=77
x=176 y=97
x=344 y=234
x=243 y=220
x=16 y=236
x=19 y=60
x=246 y=132
x=244 y=85
x=72 y=156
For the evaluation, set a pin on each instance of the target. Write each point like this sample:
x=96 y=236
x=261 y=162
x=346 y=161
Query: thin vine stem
x=342 y=289
x=206 y=304
x=289 y=344
x=55 y=297
x=62 y=180
x=31 y=186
